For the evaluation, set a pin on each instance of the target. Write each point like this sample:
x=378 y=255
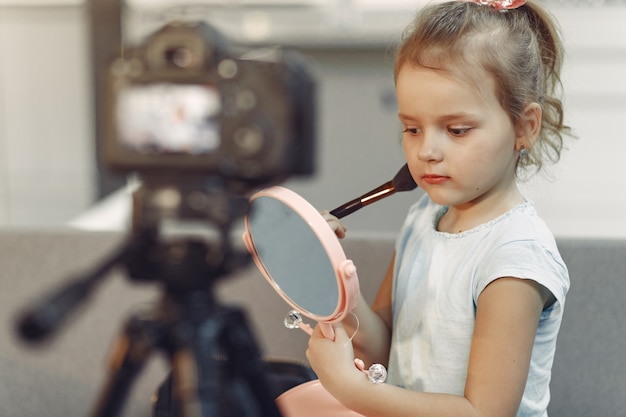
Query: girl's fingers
x=334 y=223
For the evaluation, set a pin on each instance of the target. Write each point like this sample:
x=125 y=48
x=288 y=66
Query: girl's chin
x=446 y=199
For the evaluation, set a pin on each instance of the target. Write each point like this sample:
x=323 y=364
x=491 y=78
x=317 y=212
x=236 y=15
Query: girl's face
x=458 y=140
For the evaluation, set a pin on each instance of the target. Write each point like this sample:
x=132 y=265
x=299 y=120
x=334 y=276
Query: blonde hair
x=520 y=48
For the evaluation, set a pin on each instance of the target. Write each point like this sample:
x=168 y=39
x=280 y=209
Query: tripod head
x=176 y=262
x=159 y=204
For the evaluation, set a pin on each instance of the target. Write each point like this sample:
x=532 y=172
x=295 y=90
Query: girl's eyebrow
x=459 y=116
x=447 y=117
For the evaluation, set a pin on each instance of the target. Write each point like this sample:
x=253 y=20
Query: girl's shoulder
x=521 y=223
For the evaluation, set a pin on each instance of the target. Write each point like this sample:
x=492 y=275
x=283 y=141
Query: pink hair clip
x=499 y=5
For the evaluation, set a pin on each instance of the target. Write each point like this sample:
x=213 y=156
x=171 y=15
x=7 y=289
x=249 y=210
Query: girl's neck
x=458 y=219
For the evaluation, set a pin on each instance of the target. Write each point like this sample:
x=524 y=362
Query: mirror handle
x=327 y=330
x=306 y=328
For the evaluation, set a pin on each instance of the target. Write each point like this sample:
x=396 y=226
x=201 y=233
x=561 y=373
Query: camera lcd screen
x=168 y=118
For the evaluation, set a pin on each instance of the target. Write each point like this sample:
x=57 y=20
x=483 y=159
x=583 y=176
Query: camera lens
x=179 y=56
x=249 y=140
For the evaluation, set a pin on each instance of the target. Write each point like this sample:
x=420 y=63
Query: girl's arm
x=507 y=317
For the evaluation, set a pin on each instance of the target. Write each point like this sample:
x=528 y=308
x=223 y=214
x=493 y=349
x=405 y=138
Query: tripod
x=216 y=365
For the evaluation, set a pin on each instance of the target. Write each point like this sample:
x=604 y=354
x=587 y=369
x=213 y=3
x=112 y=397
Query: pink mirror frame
x=345 y=271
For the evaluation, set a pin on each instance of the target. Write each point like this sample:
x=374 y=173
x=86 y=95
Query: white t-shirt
x=438 y=278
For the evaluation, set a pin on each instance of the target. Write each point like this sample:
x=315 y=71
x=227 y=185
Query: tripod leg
x=219 y=371
x=247 y=358
x=126 y=361
x=196 y=384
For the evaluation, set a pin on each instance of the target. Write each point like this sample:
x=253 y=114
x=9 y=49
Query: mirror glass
x=293 y=256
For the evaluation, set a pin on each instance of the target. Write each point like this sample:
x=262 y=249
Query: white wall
x=46 y=173
x=46 y=143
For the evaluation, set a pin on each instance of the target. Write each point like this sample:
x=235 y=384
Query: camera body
x=185 y=104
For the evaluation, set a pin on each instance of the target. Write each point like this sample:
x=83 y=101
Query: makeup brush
x=402 y=181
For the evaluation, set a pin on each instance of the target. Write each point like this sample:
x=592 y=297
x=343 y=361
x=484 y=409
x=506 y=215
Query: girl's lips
x=435 y=179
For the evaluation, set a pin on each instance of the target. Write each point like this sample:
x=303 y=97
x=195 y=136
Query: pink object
x=312 y=400
x=345 y=271
x=499 y=4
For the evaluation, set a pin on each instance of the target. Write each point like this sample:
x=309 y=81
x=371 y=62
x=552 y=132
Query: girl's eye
x=411 y=130
x=459 y=131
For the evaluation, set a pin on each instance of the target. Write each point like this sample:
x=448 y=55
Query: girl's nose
x=430 y=149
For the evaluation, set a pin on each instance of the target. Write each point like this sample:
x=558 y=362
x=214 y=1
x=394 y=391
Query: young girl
x=467 y=317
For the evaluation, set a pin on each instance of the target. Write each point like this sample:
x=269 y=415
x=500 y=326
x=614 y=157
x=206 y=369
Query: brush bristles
x=403 y=181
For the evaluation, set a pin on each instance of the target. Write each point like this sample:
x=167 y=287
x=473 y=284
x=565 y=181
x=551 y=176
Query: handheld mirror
x=300 y=256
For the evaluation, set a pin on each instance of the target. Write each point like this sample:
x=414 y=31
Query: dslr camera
x=186 y=104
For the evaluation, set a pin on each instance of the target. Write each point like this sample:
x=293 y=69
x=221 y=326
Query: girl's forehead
x=476 y=81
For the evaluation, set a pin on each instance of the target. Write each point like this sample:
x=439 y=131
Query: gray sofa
x=63 y=377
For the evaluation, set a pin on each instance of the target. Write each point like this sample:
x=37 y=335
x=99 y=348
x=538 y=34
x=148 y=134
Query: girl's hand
x=334 y=223
x=333 y=362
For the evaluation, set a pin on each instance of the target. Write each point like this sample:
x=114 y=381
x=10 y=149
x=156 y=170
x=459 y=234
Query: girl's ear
x=529 y=126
